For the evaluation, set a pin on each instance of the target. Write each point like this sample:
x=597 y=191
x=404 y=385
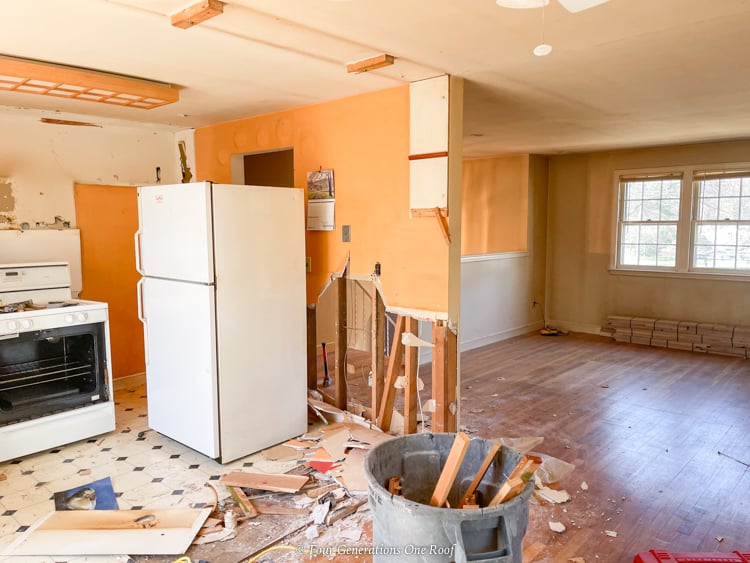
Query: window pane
x=629 y=254
x=671 y=189
x=651 y=210
x=729 y=208
x=705 y=234
x=630 y=234
x=670 y=209
x=665 y=256
x=743 y=235
x=745 y=209
x=704 y=257
x=667 y=234
x=652 y=190
x=730 y=187
x=746 y=186
x=724 y=257
x=708 y=209
x=633 y=210
x=709 y=188
x=647 y=255
x=726 y=234
x=634 y=190
x=743 y=257
x=649 y=234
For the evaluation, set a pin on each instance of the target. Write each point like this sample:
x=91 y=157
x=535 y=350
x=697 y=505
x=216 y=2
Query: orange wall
x=365 y=140
x=107 y=217
x=495 y=195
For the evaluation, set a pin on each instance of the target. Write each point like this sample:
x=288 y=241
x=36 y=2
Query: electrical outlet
x=346 y=233
x=308 y=264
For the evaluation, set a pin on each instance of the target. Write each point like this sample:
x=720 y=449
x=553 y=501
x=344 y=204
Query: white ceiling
x=623 y=74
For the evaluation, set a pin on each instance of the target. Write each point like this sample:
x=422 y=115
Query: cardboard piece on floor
x=282 y=453
x=274 y=483
x=107 y=532
x=335 y=443
x=352 y=471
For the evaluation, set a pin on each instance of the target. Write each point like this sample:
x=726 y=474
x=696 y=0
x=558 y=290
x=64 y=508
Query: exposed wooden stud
x=372 y=63
x=443 y=223
x=411 y=405
x=489 y=458
x=197 y=13
x=312 y=349
x=441 y=214
x=439 y=420
x=339 y=378
x=451 y=381
x=377 y=351
x=394 y=367
x=450 y=469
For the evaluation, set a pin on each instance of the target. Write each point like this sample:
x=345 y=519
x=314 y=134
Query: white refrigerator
x=223 y=306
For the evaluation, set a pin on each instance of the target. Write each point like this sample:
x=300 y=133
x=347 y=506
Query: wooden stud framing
x=341 y=346
x=312 y=349
x=411 y=362
x=197 y=13
x=444 y=376
x=450 y=376
x=440 y=214
x=394 y=367
x=450 y=469
x=480 y=473
x=372 y=63
x=378 y=351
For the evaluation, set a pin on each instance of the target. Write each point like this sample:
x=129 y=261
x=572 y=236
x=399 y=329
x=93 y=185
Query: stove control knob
x=68 y=318
x=82 y=316
x=12 y=325
x=27 y=323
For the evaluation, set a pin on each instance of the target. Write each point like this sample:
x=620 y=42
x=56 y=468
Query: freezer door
x=175 y=239
x=180 y=336
x=261 y=316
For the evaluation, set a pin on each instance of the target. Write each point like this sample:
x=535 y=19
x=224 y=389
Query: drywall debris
x=557 y=527
x=400 y=383
x=312 y=532
x=552 y=495
x=320 y=512
x=351 y=535
x=429 y=405
x=409 y=339
x=610 y=533
x=585 y=486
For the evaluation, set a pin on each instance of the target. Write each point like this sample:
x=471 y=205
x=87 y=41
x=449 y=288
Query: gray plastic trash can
x=406 y=528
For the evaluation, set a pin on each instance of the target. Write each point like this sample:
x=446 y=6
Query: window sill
x=712 y=276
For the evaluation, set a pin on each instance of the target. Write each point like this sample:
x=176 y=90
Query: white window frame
x=685 y=224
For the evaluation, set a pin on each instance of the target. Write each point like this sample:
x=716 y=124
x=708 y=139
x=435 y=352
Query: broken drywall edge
x=410 y=339
x=338 y=274
x=419 y=314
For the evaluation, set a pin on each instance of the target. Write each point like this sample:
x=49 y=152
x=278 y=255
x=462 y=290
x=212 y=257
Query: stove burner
x=16 y=307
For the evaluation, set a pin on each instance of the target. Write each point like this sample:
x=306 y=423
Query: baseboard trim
x=129 y=381
x=467 y=345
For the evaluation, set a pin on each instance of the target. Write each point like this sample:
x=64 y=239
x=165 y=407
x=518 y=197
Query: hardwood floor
x=643 y=427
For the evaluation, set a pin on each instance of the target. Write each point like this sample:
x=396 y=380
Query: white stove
x=55 y=380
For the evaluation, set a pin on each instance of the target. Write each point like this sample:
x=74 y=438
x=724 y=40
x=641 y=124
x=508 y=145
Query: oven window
x=52 y=370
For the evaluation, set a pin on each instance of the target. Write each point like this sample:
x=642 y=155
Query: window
x=721 y=239
x=685 y=220
x=649 y=215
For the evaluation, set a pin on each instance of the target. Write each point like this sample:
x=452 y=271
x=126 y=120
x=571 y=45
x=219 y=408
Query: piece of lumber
x=394 y=486
x=443 y=223
x=265 y=482
x=339 y=377
x=104 y=532
x=444 y=378
x=365 y=65
x=411 y=405
x=394 y=367
x=197 y=13
x=275 y=509
x=378 y=352
x=510 y=489
x=242 y=501
x=450 y=469
x=489 y=458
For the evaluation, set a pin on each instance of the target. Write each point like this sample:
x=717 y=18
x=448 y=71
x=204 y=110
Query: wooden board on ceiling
x=108 y=532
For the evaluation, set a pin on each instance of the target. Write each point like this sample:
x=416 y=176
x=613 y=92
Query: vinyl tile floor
x=147 y=470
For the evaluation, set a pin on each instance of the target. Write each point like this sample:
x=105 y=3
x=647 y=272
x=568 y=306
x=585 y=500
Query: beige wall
x=494 y=205
x=582 y=200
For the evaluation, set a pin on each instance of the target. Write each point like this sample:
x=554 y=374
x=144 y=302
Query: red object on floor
x=661 y=556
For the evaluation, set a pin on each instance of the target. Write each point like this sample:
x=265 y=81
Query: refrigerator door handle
x=137 y=243
x=141 y=316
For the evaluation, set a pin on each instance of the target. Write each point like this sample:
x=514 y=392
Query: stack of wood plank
x=711 y=338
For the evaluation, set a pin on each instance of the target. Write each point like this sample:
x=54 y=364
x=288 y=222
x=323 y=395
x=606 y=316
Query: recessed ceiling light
x=542 y=50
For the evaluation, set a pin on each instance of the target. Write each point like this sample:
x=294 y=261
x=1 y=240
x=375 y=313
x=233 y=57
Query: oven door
x=52 y=370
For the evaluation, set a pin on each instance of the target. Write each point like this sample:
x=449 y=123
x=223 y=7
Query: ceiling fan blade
x=521 y=3
x=574 y=6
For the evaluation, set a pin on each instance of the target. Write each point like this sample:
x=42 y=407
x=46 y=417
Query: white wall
x=42 y=162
